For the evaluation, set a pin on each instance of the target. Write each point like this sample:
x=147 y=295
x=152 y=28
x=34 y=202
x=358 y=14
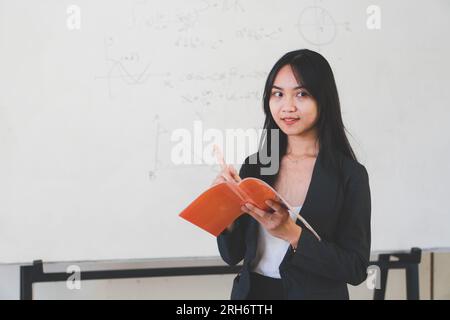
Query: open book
x=220 y=205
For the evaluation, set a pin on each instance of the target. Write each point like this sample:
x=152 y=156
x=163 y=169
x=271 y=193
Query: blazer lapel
x=320 y=206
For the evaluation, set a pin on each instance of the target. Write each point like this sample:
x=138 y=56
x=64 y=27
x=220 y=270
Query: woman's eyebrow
x=295 y=88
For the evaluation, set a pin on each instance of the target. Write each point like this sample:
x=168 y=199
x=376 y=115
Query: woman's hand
x=277 y=223
x=228 y=173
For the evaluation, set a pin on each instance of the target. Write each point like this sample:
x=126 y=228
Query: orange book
x=220 y=205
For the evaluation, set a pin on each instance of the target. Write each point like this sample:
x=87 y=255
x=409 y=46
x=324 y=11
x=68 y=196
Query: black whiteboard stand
x=30 y=274
x=408 y=261
x=34 y=273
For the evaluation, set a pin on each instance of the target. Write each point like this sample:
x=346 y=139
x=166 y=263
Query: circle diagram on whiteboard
x=317 y=26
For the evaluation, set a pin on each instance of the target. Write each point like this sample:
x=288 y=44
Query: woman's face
x=295 y=111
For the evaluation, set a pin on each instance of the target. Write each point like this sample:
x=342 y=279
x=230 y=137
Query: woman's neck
x=303 y=145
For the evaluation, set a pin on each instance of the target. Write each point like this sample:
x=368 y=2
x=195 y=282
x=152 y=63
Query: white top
x=271 y=251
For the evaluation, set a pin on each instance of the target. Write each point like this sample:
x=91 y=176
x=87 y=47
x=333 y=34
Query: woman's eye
x=280 y=94
x=276 y=94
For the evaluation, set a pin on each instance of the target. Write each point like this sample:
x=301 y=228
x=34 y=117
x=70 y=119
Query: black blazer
x=338 y=207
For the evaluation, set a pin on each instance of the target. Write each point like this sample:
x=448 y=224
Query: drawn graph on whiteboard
x=318 y=27
x=129 y=68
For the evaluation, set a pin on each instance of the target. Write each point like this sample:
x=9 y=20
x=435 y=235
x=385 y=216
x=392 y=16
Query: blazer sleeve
x=232 y=244
x=347 y=257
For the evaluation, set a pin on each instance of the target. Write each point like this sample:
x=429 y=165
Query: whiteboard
x=87 y=111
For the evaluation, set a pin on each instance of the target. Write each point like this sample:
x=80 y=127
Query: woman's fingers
x=255 y=209
x=223 y=176
x=219 y=179
x=268 y=220
x=263 y=214
x=228 y=173
x=254 y=215
x=226 y=176
x=234 y=173
x=274 y=205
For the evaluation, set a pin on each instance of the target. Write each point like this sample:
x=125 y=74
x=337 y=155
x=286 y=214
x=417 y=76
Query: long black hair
x=314 y=73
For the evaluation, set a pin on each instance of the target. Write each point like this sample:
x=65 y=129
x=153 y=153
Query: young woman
x=318 y=173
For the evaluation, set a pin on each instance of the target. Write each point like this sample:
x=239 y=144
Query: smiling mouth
x=290 y=120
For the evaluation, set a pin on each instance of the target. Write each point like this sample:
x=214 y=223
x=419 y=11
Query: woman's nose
x=289 y=105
